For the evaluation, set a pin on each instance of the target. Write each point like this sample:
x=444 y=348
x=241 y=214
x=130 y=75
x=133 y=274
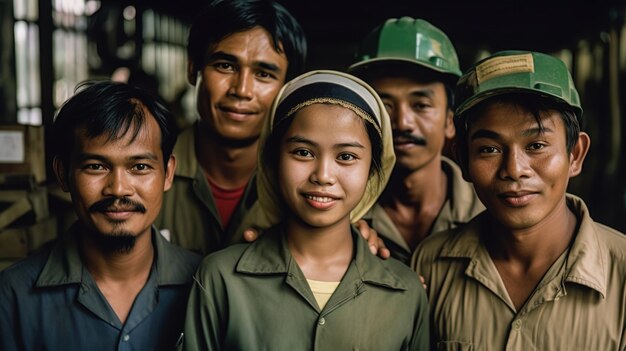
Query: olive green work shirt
x=255 y=297
x=580 y=304
x=189 y=216
x=460 y=207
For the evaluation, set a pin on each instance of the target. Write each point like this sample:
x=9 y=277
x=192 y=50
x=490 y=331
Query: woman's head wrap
x=325 y=87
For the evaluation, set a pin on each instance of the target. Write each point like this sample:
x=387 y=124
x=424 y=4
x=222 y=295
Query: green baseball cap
x=517 y=71
x=408 y=40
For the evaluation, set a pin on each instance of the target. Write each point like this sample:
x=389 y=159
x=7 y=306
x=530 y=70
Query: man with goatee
x=111 y=282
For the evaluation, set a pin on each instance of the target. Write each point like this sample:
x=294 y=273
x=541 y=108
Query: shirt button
x=126 y=337
x=517 y=324
x=322 y=321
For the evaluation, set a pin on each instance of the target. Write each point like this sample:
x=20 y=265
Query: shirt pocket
x=454 y=346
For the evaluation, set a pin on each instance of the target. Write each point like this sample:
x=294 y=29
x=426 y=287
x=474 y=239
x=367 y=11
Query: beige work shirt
x=580 y=304
x=460 y=207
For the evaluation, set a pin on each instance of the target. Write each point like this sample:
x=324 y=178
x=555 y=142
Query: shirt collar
x=459 y=191
x=64 y=265
x=174 y=265
x=587 y=261
x=270 y=255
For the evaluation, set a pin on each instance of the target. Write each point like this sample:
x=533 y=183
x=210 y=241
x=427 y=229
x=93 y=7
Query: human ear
x=578 y=154
x=60 y=173
x=192 y=74
x=449 y=129
x=170 y=169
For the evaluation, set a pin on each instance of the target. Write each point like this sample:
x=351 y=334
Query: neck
x=321 y=253
x=413 y=200
x=424 y=186
x=229 y=165
x=543 y=242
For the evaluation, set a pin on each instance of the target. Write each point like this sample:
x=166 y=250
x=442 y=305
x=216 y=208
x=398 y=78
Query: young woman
x=310 y=282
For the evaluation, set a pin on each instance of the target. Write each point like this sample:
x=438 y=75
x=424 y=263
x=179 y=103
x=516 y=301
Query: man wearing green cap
x=534 y=271
x=413 y=66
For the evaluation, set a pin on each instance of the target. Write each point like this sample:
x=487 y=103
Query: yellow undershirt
x=322 y=291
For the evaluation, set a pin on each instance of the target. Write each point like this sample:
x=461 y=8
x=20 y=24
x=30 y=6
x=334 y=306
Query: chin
x=117 y=241
x=239 y=139
x=515 y=221
x=317 y=222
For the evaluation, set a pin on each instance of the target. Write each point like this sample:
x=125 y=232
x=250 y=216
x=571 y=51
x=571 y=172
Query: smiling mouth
x=119 y=214
x=237 y=114
x=320 y=202
x=322 y=199
x=517 y=199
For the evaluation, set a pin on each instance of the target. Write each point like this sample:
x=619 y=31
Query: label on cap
x=434 y=47
x=499 y=66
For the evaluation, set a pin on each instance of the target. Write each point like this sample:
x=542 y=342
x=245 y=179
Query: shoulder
x=592 y=233
x=404 y=272
x=391 y=274
x=265 y=255
x=431 y=246
x=425 y=255
x=21 y=276
x=222 y=261
x=183 y=258
x=613 y=240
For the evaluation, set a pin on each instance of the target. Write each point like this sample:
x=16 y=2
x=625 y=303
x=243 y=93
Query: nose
x=242 y=84
x=515 y=165
x=323 y=173
x=118 y=184
x=402 y=118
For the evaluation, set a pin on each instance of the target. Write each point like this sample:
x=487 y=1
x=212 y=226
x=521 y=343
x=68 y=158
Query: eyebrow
x=145 y=156
x=299 y=139
x=428 y=93
x=489 y=134
x=221 y=55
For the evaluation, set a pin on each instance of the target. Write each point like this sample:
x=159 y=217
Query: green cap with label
x=516 y=72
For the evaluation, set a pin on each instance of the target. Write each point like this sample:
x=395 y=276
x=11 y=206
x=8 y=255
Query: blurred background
x=47 y=47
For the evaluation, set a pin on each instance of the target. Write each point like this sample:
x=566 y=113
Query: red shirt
x=226 y=200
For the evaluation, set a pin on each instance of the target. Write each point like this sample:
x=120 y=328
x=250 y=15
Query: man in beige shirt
x=534 y=271
x=415 y=79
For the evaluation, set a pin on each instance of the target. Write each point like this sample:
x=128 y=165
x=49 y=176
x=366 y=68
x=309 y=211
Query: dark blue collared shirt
x=51 y=302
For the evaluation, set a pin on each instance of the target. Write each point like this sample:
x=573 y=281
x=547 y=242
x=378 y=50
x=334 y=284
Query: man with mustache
x=112 y=282
x=413 y=66
x=534 y=271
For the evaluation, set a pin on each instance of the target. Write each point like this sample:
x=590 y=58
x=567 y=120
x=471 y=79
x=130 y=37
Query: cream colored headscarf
x=340 y=89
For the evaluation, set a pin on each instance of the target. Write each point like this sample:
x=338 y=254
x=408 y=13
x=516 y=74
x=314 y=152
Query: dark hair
x=537 y=105
x=271 y=151
x=400 y=69
x=225 y=17
x=111 y=109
